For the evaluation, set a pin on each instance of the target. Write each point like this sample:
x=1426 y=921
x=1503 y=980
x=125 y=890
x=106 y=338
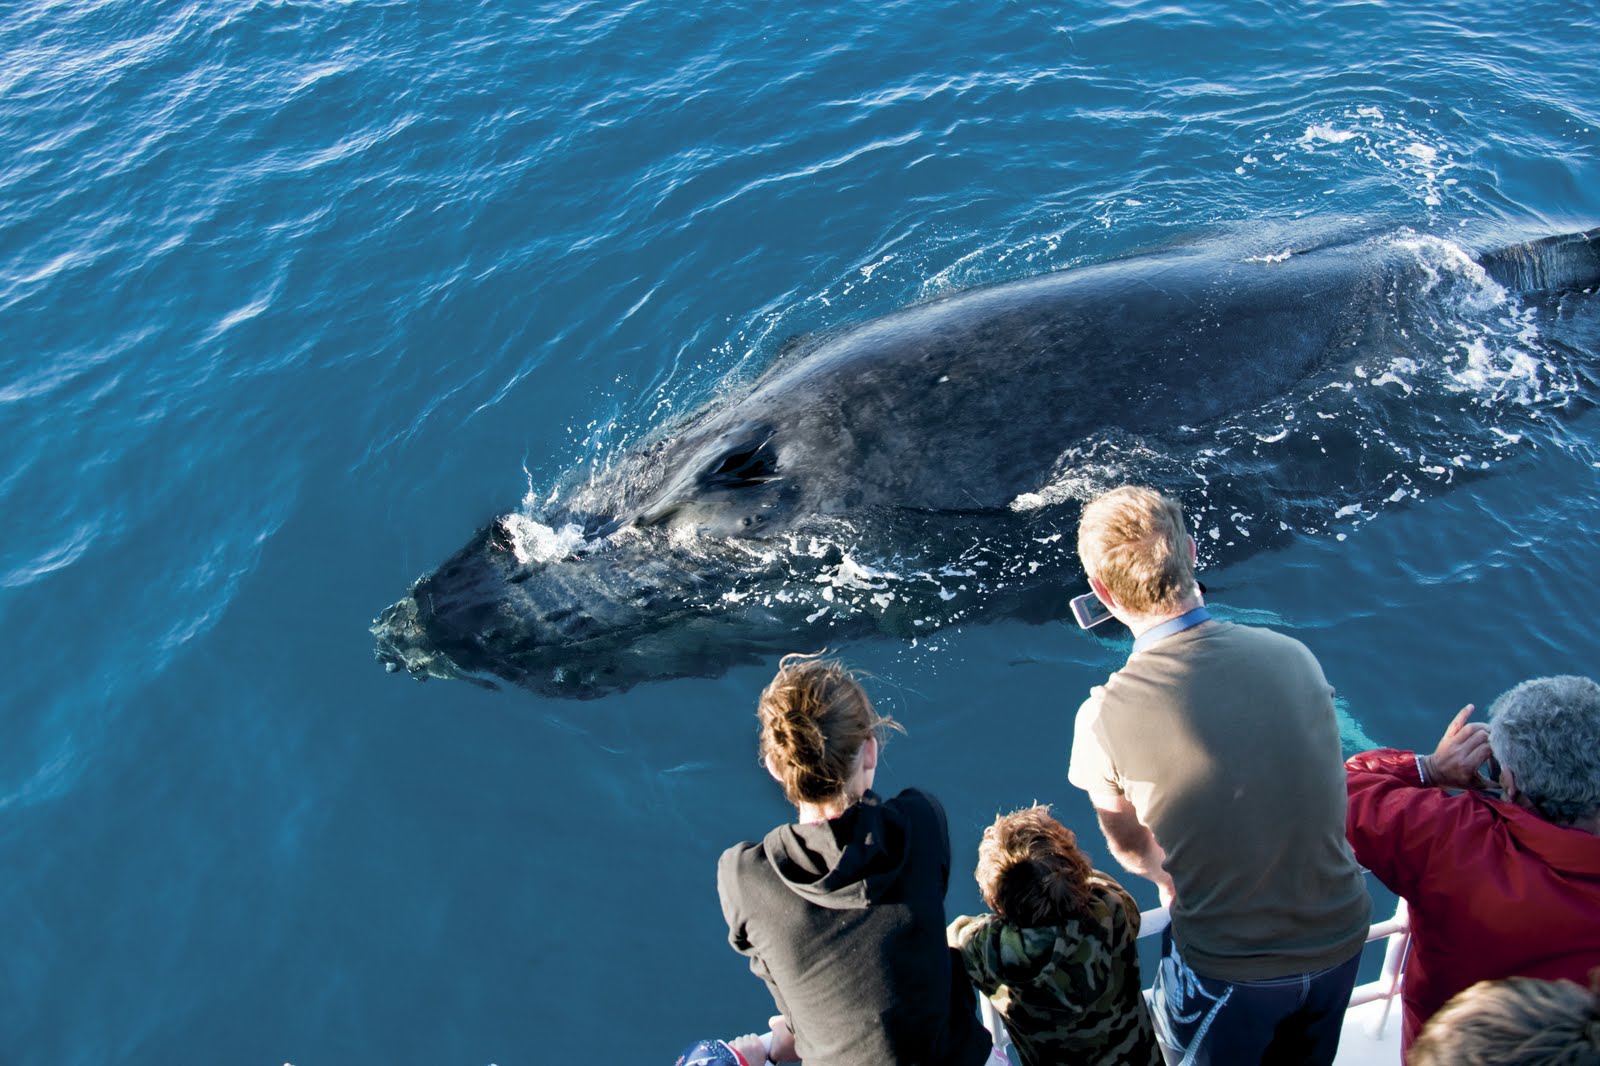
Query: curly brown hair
x=815 y=717
x=1031 y=871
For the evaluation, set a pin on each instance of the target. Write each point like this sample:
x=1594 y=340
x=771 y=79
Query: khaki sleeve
x=1090 y=767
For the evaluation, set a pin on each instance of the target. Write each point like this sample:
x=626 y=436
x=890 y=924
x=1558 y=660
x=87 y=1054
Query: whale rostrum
x=927 y=466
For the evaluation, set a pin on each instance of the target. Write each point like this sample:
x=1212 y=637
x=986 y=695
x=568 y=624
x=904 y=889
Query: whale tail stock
x=1549 y=264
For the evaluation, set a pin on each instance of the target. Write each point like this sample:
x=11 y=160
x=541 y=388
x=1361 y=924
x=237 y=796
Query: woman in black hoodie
x=842 y=912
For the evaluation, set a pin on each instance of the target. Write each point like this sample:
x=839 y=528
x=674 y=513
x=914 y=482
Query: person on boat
x=841 y=912
x=1505 y=886
x=1515 y=1021
x=1057 y=956
x=1213 y=761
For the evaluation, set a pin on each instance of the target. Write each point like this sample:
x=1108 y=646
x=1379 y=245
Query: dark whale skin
x=910 y=438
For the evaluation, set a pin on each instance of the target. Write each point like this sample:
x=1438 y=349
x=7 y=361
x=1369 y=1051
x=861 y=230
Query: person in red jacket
x=1501 y=885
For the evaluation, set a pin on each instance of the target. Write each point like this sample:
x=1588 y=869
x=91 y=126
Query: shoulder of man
x=1093 y=706
x=1264 y=645
x=1097 y=696
x=1264 y=637
x=1089 y=765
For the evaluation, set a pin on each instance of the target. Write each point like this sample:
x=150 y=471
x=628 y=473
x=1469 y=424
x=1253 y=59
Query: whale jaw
x=402 y=644
x=608 y=614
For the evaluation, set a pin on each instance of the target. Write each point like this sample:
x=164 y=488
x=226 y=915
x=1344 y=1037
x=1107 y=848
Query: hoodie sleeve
x=733 y=912
x=973 y=938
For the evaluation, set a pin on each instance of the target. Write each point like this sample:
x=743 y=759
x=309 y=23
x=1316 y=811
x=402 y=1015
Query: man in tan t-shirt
x=1213 y=762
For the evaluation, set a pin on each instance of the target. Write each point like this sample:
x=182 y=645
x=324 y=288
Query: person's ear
x=772 y=768
x=1508 y=789
x=869 y=753
x=1194 y=553
x=1102 y=593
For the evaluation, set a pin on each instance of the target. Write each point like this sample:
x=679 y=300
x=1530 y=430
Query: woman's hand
x=749 y=1048
x=1463 y=748
x=782 y=1040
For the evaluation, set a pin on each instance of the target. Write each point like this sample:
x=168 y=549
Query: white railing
x=1396 y=930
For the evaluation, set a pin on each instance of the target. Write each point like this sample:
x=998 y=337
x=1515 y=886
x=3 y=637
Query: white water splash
x=1366 y=133
x=535 y=542
x=850 y=574
x=1325 y=134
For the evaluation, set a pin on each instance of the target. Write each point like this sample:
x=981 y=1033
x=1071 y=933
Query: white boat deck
x=1371 y=1035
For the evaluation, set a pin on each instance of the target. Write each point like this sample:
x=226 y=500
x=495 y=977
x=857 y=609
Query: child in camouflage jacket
x=1057 y=956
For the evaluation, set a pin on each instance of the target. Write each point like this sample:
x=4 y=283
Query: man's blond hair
x=1134 y=541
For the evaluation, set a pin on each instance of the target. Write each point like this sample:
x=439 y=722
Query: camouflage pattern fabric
x=1068 y=993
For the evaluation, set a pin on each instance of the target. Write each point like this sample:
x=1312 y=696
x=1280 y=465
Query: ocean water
x=295 y=295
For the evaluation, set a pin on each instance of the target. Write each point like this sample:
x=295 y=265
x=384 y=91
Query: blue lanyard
x=1187 y=620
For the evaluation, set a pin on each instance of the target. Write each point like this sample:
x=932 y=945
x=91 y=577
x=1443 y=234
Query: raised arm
x=1398 y=806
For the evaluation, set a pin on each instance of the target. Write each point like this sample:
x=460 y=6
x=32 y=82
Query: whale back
x=1027 y=370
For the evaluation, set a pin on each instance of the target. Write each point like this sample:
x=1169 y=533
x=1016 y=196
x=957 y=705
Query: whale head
x=628 y=580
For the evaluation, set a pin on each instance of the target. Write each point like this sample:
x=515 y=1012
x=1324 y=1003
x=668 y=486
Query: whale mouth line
x=404 y=644
x=436 y=664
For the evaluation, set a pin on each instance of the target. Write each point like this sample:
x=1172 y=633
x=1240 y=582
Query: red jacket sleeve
x=1396 y=825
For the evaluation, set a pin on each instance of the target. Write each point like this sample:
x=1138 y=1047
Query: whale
x=925 y=467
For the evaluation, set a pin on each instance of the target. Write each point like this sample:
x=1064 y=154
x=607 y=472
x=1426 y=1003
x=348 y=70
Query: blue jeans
x=1290 y=1021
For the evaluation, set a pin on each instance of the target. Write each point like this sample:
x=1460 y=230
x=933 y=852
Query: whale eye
x=754 y=463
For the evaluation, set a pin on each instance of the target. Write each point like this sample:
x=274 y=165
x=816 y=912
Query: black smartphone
x=1089 y=611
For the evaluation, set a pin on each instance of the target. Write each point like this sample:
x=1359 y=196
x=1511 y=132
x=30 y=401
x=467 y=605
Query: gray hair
x=1547 y=733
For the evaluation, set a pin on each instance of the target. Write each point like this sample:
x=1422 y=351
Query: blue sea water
x=296 y=294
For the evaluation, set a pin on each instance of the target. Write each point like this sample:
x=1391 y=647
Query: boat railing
x=1396 y=930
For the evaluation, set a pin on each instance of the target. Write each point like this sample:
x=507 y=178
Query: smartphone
x=1089 y=611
